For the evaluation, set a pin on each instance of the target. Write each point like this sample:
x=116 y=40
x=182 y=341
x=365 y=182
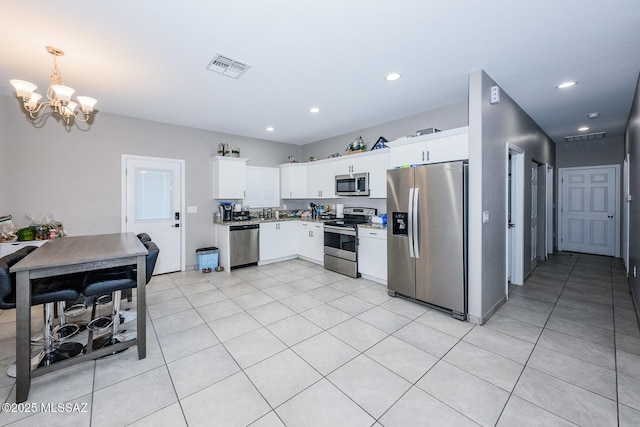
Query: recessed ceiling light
x=583 y=129
x=393 y=76
x=270 y=129
x=566 y=85
x=314 y=110
x=594 y=115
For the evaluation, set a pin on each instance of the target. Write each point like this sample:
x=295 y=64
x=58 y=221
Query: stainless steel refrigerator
x=427 y=235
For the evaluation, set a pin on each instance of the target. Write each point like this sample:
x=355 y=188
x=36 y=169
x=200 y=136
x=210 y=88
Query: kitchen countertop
x=321 y=221
x=260 y=221
x=373 y=226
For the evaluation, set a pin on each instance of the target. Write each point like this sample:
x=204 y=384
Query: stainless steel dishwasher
x=244 y=244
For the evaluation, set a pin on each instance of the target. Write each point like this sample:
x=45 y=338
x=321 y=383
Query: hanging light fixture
x=59 y=96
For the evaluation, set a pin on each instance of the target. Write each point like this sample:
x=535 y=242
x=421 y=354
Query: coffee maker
x=226 y=211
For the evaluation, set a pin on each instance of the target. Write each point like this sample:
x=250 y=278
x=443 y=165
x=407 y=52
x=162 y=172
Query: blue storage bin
x=207 y=258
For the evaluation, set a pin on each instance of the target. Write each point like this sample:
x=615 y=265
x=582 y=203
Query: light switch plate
x=192 y=209
x=485 y=217
x=495 y=94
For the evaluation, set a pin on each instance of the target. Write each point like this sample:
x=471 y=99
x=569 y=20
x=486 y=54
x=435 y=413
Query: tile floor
x=292 y=344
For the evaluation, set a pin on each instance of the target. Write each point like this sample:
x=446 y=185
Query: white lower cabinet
x=9 y=248
x=372 y=254
x=311 y=241
x=278 y=241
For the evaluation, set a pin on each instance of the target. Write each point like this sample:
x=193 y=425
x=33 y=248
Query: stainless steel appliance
x=226 y=211
x=244 y=248
x=353 y=184
x=341 y=241
x=427 y=235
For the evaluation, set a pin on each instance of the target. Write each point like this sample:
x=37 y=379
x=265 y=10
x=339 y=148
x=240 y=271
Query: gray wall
x=594 y=152
x=75 y=175
x=632 y=146
x=444 y=118
x=491 y=128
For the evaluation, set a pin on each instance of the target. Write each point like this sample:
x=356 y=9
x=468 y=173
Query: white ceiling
x=147 y=59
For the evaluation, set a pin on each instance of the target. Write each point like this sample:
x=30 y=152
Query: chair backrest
x=7 y=279
x=144 y=237
x=152 y=257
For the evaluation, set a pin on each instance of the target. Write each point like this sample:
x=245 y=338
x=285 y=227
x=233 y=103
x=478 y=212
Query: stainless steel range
x=341 y=241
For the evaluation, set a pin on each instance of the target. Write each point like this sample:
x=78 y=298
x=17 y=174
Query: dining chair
x=111 y=283
x=46 y=291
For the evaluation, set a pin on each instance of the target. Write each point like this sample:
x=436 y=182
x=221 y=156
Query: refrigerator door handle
x=410 y=222
x=416 y=217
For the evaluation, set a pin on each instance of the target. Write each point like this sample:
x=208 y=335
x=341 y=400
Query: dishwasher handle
x=243 y=227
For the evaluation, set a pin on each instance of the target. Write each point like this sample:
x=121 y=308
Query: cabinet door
x=9 y=248
x=278 y=240
x=321 y=179
x=372 y=254
x=293 y=181
x=304 y=239
x=407 y=154
x=229 y=177
x=316 y=250
x=311 y=241
x=377 y=165
x=455 y=147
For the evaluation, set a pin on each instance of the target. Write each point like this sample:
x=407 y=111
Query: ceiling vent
x=585 y=136
x=227 y=66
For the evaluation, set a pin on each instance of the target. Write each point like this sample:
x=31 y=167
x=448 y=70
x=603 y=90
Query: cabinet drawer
x=372 y=233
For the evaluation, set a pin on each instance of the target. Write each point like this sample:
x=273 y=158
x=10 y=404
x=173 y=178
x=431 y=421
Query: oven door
x=340 y=242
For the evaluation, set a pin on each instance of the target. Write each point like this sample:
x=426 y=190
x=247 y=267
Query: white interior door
x=589 y=210
x=515 y=215
x=152 y=203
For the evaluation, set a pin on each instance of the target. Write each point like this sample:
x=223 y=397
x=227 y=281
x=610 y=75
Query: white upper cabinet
x=293 y=181
x=321 y=179
x=229 y=177
x=438 y=147
x=375 y=162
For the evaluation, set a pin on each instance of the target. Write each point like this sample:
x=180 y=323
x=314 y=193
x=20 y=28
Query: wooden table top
x=81 y=249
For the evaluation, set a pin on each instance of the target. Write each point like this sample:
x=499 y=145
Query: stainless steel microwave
x=355 y=184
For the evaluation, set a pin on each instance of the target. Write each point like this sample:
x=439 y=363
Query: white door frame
x=549 y=208
x=517 y=213
x=626 y=197
x=123 y=197
x=561 y=172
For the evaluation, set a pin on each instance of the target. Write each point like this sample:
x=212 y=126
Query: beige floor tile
x=321 y=405
x=124 y=402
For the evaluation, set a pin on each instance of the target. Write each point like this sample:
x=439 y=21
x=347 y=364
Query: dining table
x=75 y=254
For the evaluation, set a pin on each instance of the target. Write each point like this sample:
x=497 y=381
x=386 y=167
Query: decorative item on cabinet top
x=357 y=146
x=223 y=149
x=380 y=143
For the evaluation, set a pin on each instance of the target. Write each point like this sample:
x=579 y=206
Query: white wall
x=75 y=175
